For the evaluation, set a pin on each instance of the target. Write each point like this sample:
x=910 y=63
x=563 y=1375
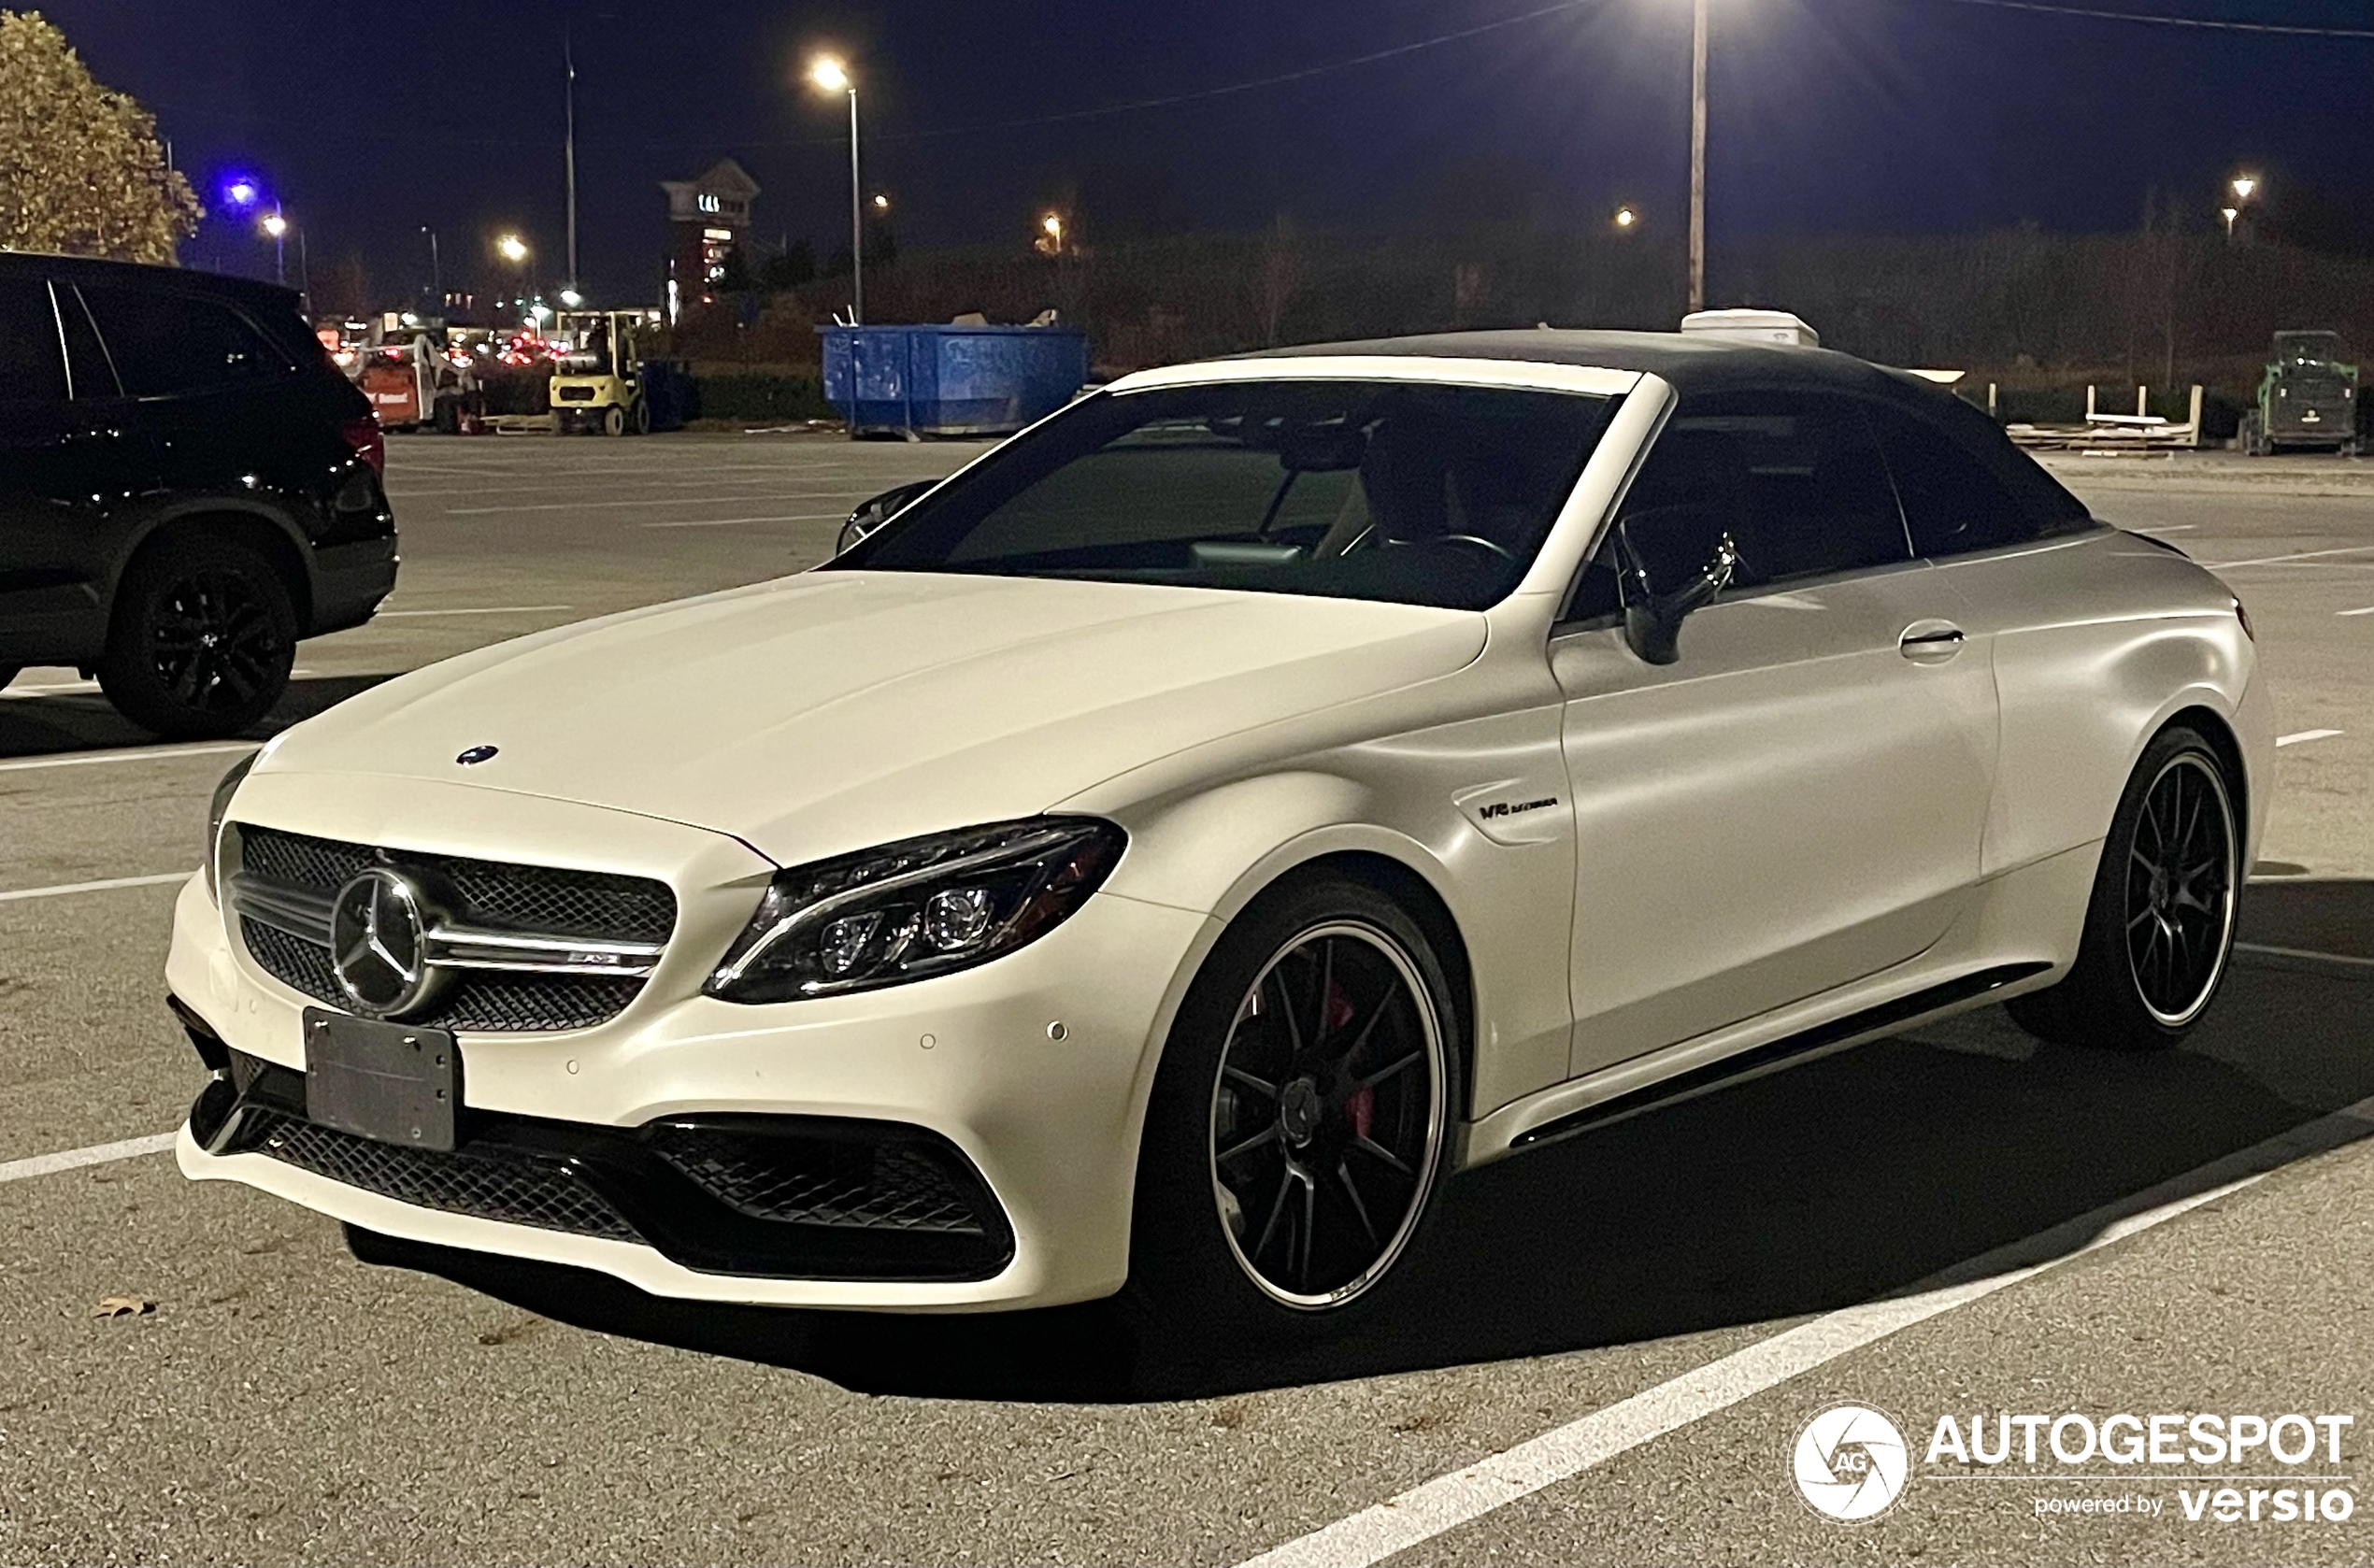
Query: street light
x=2244 y=185
x=1054 y=224
x=831 y=75
x=514 y=248
x=882 y=202
x=278 y=227
x=2229 y=214
x=1626 y=220
x=571 y=298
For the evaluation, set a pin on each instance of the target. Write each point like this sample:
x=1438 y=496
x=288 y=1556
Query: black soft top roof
x=1691 y=362
x=1699 y=364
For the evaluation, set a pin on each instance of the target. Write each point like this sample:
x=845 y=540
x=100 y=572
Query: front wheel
x=2159 y=927
x=200 y=641
x=1299 y=1127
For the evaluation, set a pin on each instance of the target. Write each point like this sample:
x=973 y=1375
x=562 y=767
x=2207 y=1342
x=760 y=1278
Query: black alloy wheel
x=1299 y=1129
x=201 y=642
x=2159 y=929
x=2180 y=889
x=1327 y=1116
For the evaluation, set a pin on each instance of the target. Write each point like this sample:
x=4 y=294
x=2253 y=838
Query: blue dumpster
x=933 y=380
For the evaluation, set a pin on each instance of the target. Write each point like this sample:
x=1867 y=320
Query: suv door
x=216 y=396
x=1798 y=801
x=72 y=467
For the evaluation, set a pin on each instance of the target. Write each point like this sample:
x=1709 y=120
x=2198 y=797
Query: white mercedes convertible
x=1159 y=857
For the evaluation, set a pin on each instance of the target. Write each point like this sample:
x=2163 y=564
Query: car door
x=216 y=398
x=71 y=467
x=1798 y=801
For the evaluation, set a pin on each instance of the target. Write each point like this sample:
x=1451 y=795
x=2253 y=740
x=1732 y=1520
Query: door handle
x=1930 y=642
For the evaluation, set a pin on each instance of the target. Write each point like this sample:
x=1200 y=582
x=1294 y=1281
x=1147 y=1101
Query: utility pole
x=568 y=63
x=436 y=269
x=856 y=222
x=1699 y=156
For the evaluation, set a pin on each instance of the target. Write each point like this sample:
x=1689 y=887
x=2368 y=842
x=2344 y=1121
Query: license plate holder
x=395 y=1083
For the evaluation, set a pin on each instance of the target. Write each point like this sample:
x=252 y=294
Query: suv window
x=1795 y=479
x=30 y=369
x=1951 y=504
x=164 y=344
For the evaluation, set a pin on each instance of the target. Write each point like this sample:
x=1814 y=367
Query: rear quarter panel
x=2098 y=641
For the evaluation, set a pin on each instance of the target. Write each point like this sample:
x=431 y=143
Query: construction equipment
x=2308 y=397
x=412 y=383
x=598 y=383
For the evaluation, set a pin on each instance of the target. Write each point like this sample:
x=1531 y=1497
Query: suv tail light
x=370 y=443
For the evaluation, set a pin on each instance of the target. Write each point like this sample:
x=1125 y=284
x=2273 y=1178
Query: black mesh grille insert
x=510 y=1189
x=539 y=900
x=819 y=1182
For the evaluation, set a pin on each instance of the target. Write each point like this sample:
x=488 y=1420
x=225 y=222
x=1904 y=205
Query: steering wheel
x=1478 y=540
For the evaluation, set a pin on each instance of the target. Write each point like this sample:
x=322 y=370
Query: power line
x=2209 y=25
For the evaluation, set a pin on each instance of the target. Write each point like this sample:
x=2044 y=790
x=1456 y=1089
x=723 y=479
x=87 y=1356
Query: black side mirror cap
x=875 y=510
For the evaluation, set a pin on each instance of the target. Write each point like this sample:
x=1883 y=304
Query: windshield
x=2309 y=347
x=1417 y=492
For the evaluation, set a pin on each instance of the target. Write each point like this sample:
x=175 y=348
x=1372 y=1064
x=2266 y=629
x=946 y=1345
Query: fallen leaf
x=123 y=1306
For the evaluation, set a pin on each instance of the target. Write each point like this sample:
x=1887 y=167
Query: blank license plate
x=393 y=1082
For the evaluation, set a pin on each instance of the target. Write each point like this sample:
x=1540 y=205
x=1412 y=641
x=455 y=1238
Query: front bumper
x=969 y=1061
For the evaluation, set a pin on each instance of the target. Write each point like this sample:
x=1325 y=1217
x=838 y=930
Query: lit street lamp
x=2244 y=186
x=513 y=248
x=278 y=227
x=2229 y=214
x=1053 y=243
x=1626 y=220
x=831 y=75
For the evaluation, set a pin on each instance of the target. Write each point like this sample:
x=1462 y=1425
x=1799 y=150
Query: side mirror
x=1652 y=622
x=876 y=510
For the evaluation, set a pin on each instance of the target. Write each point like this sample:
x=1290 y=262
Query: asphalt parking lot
x=1625 y=1331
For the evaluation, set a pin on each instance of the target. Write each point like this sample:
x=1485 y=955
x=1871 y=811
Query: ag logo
x=1851 y=1463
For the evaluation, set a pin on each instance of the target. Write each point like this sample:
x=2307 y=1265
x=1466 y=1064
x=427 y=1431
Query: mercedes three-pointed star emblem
x=378 y=944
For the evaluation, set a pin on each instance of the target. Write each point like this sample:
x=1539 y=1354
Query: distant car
x=1159 y=856
x=188 y=485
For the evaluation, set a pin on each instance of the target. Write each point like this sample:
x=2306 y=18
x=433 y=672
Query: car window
x=1414 y=491
x=164 y=344
x=1795 y=479
x=1951 y=504
x=31 y=370
x=87 y=367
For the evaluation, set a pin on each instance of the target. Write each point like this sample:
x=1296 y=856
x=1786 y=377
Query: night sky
x=1894 y=116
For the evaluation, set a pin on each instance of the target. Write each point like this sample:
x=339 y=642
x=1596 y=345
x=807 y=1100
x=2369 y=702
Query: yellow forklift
x=598 y=383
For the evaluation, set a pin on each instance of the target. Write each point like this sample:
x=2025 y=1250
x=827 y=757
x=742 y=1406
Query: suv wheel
x=1299 y=1127
x=2160 y=926
x=200 y=642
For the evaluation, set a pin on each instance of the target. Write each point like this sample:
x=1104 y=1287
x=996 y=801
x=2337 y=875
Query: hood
x=829 y=711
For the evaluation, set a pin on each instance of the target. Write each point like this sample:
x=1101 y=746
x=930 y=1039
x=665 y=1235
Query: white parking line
x=141 y=754
x=65 y=887
x=2295 y=555
x=484 y=609
x=2367 y=611
x=1426 y=1511
x=98 y=1154
x=2296 y=736
x=598 y=505
x=2346 y=960
x=719 y=522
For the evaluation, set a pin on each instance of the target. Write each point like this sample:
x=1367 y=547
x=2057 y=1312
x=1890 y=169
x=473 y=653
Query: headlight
x=919 y=908
x=215 y=813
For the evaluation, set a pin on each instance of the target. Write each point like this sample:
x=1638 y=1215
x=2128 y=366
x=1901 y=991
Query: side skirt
x=1760 y=1060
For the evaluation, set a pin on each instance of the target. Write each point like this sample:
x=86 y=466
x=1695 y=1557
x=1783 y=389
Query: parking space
x=281 y=1400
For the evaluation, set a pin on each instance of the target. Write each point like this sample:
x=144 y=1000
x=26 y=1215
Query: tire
x=639 y=419
x=200 y=640
x=1270 y=1165
x=2159 y=927
x=614 y=420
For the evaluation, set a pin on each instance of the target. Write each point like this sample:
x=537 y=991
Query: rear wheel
x=2160 y=926
x=200 y=642
x=639 y=418
x=614 y=420
x=1299 y=1126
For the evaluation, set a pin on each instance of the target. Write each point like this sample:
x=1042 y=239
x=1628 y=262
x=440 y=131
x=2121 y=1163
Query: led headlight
x=919 y=908
x=215 y=813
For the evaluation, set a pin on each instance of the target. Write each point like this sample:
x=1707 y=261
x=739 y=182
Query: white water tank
x=1752 y=327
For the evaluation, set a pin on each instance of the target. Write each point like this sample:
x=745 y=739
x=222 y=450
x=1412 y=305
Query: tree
x=80 y=170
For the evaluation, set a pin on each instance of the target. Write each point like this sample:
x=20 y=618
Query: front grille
x=542 y=901
x=506 y=1187
x=861 y=1185
x=577 y=394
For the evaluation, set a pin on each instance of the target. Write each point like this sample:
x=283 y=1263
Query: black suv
x=188 y=485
